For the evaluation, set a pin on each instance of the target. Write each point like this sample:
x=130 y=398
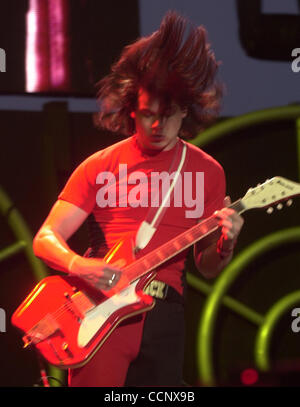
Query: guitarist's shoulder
x=200 y=158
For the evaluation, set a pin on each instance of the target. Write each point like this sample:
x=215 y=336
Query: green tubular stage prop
x=264 y=335
x=217 y=298
x=216 y=293
x=24 y=238
x=226 y=127
x=24 y=244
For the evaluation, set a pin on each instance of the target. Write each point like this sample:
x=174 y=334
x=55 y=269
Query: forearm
x=209 y=262
x=212 y=260
x=49 y=246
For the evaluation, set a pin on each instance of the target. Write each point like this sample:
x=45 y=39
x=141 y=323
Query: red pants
x=108 y=367
x=145 y=350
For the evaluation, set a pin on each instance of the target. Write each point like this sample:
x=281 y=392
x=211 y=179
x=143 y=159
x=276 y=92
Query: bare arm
x=50 y=244
x=211 y=261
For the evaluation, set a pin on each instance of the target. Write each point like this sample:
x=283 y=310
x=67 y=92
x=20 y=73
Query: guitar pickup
x=41 y=331
x=82 y=303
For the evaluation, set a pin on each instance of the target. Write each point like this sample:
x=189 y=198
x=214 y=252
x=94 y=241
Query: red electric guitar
x=67 y=320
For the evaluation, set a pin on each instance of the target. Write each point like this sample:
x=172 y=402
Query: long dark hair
x=171 y=68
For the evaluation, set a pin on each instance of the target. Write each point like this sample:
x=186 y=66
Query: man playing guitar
x=161 y=91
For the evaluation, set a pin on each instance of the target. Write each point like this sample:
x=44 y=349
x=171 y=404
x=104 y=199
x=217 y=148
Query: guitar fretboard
x=176 y=245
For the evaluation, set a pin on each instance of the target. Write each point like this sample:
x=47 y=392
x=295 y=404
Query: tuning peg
x=270 y=210
x=279 y=206
x=289 y=202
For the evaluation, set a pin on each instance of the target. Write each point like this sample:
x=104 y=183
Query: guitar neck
x=204 y=230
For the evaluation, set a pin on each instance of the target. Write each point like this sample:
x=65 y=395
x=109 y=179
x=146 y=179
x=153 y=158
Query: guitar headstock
x=273 y=191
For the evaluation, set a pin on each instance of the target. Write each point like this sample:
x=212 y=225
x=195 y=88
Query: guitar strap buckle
x=157 y=289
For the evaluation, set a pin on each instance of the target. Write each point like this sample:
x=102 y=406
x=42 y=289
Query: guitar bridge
x=78 y=304
x=41 y=331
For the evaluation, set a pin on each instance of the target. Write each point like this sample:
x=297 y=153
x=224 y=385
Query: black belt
x=162 y=291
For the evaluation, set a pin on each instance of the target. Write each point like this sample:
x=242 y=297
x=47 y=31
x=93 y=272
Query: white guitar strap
x=146 y=229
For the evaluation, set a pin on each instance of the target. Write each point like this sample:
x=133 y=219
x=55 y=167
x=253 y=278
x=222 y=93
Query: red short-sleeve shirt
x=120 y=183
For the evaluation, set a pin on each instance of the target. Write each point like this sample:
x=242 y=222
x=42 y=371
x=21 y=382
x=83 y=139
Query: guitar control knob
x=279 y=206
x=64 y=346
x=289 y=202
x=270 y=210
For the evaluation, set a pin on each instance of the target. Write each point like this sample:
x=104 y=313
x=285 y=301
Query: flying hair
x=175 y=64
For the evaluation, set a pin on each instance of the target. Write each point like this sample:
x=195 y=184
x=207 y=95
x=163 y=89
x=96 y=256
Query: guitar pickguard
x=95 y=318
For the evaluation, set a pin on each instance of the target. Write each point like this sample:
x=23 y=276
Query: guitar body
x=67 y=320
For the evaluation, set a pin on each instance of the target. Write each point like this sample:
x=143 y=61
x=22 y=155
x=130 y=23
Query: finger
x=103 y=287
x=228 y=234
x=119 y=264
x=227 y=201
x=112 y=277
x=115 y=277
x=224 y=213
x=226 y=223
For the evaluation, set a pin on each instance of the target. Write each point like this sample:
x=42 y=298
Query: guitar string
x=152 y=256
x=168 y=247
x=209 y=222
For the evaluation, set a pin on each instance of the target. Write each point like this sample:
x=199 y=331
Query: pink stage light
x=47 y=46
x=59 y=44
